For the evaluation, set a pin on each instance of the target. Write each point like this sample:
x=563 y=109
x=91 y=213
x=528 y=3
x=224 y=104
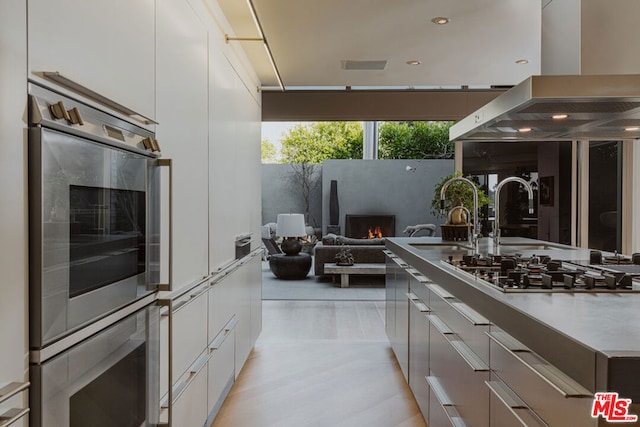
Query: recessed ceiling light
x=440 y=20
x=522 y=61
x=414 y=62
x=632 y=128
x=559 y=116
x=524 y=130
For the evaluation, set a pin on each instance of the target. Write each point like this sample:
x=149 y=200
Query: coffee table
x=362 y=269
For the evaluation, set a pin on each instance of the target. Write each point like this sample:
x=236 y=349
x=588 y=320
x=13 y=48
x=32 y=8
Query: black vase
x=334 y=208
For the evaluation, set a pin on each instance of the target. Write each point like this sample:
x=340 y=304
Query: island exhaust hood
x=558 y=108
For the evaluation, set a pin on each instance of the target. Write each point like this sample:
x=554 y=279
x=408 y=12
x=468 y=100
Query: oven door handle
x=168 y=286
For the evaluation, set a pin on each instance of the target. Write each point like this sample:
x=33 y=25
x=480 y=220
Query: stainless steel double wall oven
x=94 y=264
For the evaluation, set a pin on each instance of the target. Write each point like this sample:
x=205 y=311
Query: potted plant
x=458 y=194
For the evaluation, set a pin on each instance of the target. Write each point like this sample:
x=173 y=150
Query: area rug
x=364 y=288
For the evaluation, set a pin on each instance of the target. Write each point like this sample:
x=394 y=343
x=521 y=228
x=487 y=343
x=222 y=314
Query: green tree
x=320 y=141
x=269 y=152
x=458 y=194
x=415 y=140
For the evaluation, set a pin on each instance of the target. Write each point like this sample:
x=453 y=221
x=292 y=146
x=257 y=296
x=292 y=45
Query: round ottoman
x=290 y=266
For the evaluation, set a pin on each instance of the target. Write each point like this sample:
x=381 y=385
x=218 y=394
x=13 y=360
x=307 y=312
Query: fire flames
x=375 y=233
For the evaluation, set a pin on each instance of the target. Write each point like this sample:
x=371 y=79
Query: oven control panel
x=53 y=110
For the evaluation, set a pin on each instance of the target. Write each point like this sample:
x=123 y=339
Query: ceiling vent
x=363 y=65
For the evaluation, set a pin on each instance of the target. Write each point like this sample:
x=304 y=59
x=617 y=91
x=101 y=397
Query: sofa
x=363 y=251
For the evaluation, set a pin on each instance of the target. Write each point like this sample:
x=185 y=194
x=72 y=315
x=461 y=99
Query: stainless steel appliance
x=558 y=108
x=94 y=221
x=521 y=274
x=94 y=225
x=110 y=379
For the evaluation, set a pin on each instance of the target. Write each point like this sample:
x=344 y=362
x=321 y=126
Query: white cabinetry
x=182 y=133
x=234 y=156
x=106 y=46
x=13 y=213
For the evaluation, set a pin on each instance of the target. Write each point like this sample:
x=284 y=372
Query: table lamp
x=291 y=227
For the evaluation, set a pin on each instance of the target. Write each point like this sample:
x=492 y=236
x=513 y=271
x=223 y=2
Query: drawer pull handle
x=12 y=415
x=222 y=336
x=446 y=403
x=11 y=389
x=417 y=275
x=469 y=356
x=470 y=314
x=554 y=377
x=463 y=309
x=437 y=289
x=511 y=401
x=439 y=325
x=438 y=391
x=419 y=305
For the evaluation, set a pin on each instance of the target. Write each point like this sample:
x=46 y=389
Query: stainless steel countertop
x=575 y=331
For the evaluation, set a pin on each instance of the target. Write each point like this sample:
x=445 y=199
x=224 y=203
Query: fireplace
x=370 y=226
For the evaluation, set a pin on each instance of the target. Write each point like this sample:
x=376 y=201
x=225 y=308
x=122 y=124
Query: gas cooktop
x=543 y=274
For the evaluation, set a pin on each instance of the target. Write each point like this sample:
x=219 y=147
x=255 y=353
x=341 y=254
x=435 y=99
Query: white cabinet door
x=190 y=408
x=182 y=133
x=106 y=46
x=234 y=157
x=221 y=371
x=242 y=297
x=189 y=330
x=255 y=271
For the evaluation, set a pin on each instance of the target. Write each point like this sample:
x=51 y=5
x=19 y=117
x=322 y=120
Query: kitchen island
x=541 y=355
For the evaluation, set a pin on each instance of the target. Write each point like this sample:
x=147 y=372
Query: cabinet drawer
x=460 y=373
x=221 y=304
x=221 y=366
x=189 y=329
x=468 y=324
x=190 y=406
x=553 y=395
x=419 y=353
x=507 y=409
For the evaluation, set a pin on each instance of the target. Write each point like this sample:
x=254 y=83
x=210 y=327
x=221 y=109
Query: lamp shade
x=290 y=225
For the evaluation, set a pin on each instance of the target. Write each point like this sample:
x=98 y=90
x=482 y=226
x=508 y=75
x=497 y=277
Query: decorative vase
x=334 y=208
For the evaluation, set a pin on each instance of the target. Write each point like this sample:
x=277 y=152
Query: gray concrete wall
x=364 y=187
x=281 y=193
x=384 y=187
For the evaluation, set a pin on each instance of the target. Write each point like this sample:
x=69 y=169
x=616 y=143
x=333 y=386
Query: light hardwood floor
x=321 y=364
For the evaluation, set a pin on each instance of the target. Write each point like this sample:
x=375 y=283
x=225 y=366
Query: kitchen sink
x=445 y=246
x=528 y=247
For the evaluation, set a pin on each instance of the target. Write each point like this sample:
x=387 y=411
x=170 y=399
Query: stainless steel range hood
x=603 y=107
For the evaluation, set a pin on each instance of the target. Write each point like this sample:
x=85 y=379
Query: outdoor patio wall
x=384 y=187
x=281 y=193
x=364 y=187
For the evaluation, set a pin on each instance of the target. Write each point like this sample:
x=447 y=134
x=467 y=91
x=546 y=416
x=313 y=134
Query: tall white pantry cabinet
x=164 y=60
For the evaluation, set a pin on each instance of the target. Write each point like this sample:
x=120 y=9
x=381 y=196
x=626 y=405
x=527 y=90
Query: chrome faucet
x=496 y=226
x=476 y=232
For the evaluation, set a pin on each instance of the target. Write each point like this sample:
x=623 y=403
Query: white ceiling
x=309 y=40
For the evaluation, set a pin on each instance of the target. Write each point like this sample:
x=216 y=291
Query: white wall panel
x=107 y=46
x=183 y=133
